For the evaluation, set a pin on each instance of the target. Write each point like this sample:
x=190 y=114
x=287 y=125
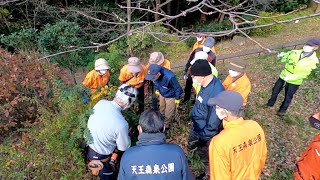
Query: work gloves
x=177 y=102
x=290 y=77
x=281 y=55
x=185 y=75
x=157 y=93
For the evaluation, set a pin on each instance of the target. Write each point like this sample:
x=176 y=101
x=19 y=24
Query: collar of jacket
x=151 y=139
x=116 y=105
x=234 y=123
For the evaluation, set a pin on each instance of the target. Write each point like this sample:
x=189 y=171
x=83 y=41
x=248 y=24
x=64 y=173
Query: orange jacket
x=200 y=44
x=166 y=64
x=93 y=80
x=308 y=166
x=241 y=85
x=127 y=77
x=238 y=152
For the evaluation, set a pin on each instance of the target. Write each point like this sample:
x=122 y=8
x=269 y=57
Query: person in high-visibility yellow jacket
x=239 y=151
x=299 y=64
x=237 y=80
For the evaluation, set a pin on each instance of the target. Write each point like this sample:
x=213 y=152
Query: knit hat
x=199 y=55
x=313 y=42
x=134 y=65
x=153 y=70
x=229 y=100
x=101 y=64
x=200 y=68
x=156 y=58
x=237 y=65
x=209 y=42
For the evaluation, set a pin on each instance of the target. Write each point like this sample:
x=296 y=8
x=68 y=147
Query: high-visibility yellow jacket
x=127 y=77
x=198 y=44
x=297 y=69
x=241 y=85
x=238 y=152
x=93 y=80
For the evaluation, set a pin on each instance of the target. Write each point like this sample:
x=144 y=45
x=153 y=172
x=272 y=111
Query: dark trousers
x=140 y=99
x=195 y=141
x=106 y=173
x=187 y=89
x=289 y=91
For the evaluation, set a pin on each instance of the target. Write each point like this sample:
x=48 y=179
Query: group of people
x=230 y=147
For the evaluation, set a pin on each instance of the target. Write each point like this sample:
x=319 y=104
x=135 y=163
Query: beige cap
x=237 y=64
x=156 y=58
x=134 y=65
x=101 y=64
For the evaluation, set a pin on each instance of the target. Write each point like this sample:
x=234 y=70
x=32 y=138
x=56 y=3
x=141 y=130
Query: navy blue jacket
x=154 y=159
x=168 y=85
x=205 y=121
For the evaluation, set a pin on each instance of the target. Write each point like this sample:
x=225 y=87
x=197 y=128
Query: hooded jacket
x=93 y=80
x=154 y=159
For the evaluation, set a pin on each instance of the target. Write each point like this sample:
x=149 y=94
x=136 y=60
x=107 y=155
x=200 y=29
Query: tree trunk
x=156 y=16
x=203 y=17
x=128 y=25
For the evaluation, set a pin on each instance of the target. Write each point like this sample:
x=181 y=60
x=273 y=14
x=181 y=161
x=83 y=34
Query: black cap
x=313 y=42
x=200 y=68
x=229 y=100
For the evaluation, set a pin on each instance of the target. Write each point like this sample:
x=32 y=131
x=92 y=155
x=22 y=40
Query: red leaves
x=25 y=84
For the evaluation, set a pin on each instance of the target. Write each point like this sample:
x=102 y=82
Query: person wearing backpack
x=308 y=166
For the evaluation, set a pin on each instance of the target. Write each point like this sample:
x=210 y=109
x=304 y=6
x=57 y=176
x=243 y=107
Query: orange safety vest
x=127 y=77
x=241 y=85
x=308 y=166
x=93 y=80
x=200 y=44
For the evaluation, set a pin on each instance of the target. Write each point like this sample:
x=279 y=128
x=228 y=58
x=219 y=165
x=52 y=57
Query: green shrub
x=270 y=29
x=25 y=39
x=289 y=5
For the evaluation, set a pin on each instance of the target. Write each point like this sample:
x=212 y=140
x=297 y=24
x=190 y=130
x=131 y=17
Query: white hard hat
x=101 y=64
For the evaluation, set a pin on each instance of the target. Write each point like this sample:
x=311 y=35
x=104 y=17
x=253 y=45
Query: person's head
x=151 y=121
x=228 y=105
x=311 y=45
x=200 y=37
x=201 y=73
x=199 y=55
x=125 y=96
x=236 y=67
x=153 y=72
x=101 y=66
x=208 y=44
x=134 y=65
x=156 y=58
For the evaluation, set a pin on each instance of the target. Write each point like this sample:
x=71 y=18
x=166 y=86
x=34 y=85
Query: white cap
x=101 y=64
x=199 y=55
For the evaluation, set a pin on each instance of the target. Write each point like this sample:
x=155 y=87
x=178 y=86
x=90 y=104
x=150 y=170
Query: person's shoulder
x=92 y=73
x=253 y=124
